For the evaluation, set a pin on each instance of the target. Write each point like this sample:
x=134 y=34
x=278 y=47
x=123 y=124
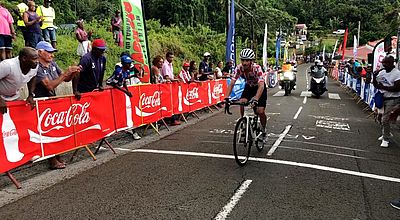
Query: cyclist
x=255 y=91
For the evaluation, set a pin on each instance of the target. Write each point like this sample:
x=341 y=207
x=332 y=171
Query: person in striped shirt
x=184 y=75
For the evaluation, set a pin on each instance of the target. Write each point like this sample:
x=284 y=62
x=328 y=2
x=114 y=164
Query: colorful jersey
x=184 y=76
x=252 y=78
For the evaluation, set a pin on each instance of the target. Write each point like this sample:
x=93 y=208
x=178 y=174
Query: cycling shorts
x=250 y=91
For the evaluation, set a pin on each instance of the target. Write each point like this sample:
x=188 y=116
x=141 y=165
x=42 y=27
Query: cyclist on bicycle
x=255 y=91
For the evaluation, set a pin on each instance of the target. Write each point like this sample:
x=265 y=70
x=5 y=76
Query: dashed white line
x=279 y=93
x=277 y=142
x=305 y=100
x=298 y=113
x=233 y=201
x=334 y=96
x=265 y=160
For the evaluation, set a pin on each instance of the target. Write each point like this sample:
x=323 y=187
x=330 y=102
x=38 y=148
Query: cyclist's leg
x=262 y=104
x=242 y=100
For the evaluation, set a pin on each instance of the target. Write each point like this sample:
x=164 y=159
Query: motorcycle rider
x=315 y=66
x=318 y=71
x=288 y=66
x=255 y=89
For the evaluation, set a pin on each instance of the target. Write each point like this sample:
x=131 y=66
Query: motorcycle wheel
x=287 y=89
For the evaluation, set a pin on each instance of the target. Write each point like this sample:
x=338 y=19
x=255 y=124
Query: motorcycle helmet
x=247 y=54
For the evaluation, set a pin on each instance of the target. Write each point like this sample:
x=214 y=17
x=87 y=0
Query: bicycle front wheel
x=241 y=142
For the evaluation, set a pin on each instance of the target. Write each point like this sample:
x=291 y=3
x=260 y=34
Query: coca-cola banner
x=179 y=90
x=196 y=96
x=166 y=99
x=15 y=147
x=149 y=106
x=63 y=124
x=92 y=117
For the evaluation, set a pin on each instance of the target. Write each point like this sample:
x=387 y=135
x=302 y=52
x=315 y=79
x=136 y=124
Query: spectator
x=7 y=33
x=19 y=11
x=48 y=28
x=204 y=69
x=228 y=69
x=156 y=69
x=167 y=70
x=93 y=66
x=121 y=74
x=218 y=70
x=116 y=23
x=48 y=77
x=83 y=38
x=15 y=73
x=388 y=82
x=32 y=22
x=193 y=70
x=184 y=75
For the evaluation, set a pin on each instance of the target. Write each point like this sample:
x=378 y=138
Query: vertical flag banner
x=230 y=38
x=355 y=45
x=135 y=39
x=277 y=49
x=379 y=53
x=265 y=54
x=323 y=53
x=345 y=42
x=334 y=49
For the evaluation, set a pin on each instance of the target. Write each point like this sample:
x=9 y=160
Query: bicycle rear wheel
x=241 y=147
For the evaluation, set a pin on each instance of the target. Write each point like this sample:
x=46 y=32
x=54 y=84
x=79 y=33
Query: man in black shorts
x=255 y=90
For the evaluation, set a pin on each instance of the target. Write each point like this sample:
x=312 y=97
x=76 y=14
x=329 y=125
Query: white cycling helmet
x=247 y=54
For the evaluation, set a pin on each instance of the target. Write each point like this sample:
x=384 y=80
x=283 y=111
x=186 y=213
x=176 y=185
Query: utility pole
x=228 y=12
x=358 y=34
x=252 y=34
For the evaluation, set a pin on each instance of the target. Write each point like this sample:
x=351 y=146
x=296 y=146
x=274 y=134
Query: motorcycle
x=287 y=81
x=318 y=83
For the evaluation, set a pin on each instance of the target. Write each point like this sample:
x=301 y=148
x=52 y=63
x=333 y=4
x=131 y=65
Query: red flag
x=340 y=48
x=345 y=42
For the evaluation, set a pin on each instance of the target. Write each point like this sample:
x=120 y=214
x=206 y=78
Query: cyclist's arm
x=259 y=90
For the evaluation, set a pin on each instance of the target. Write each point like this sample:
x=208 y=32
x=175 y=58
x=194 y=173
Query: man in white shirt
x=15 y=73
x=388 y=82
x=167 y=70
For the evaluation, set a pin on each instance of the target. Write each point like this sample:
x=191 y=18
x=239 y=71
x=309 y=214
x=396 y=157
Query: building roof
x=301 y=26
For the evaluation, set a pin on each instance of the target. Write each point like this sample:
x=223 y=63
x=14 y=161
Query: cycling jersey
x=252 y=78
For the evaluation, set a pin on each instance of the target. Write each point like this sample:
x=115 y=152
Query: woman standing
x=32 y=22
x=83 y=38
x=156 y=69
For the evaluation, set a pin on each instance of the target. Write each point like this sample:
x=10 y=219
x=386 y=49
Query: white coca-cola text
x=217 y=90
x=10 y=133
x=151 y=101
x=76 y=114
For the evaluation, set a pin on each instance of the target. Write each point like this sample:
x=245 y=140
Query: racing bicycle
x=247 y=132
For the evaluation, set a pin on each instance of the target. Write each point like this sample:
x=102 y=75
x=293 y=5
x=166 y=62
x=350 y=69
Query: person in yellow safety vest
x=19 y=11
x=48 y=28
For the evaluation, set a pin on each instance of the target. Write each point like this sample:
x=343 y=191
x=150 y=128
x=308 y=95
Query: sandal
x=57 y=166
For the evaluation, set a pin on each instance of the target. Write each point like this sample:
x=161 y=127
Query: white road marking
x=323 y=152
x=305 y=93
x=277 y=142
x=328 y=145
x=305 y=100
x=265 y=160
x=308 y=138
x=333 y=96
x=223 y=214
x=333 y=125
x=329 y=118
x=298 y=112
x=279 y=93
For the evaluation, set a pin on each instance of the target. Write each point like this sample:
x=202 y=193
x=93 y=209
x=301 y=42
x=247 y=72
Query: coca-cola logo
x=192 y=94
x=217 y=91
x=76 y=114
x=9 y=133
x=150 y=101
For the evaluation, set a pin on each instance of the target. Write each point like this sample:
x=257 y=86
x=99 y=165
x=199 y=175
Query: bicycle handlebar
x=229 y=103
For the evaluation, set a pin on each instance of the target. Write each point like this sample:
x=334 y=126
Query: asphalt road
x=328 y=166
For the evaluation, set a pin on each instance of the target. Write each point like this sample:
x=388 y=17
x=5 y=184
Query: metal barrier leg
x=108 y=145
x=13 y=180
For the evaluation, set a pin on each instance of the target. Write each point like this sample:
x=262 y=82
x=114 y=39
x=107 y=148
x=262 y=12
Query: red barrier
x=62 y=124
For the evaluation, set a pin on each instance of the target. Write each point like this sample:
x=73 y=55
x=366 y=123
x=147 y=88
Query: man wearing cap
x=15 y=73
x=204 y=69
x=48 y=28
x=184 y=75
x=48 y=77
x=93 y=66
